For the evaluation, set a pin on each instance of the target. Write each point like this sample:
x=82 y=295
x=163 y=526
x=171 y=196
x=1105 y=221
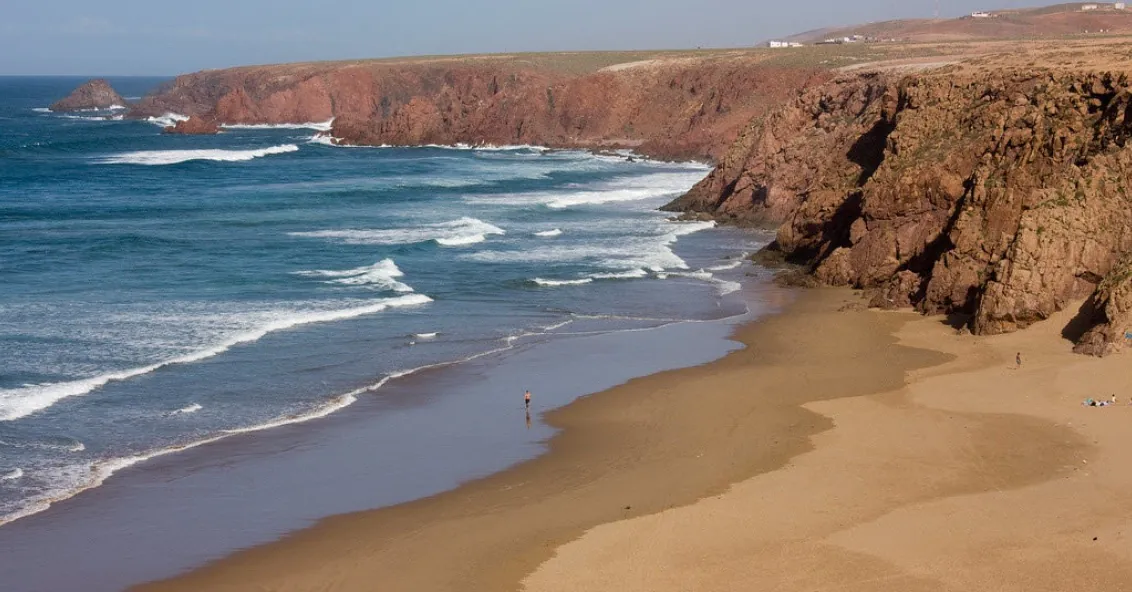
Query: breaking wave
x=189 y=409
x=618 y=190
x=629 y=254
x=162 y=157
x=21 y=402
x=549 y=233
x=12 y=475
x=552 y=283
x=380 y=275
x=321 y=126
x=166 y=120
x=464 y=231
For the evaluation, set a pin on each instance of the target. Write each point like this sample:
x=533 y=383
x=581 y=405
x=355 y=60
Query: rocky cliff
x=677 y=107
x=195 y=125
x=1000 y=198
x=93 y=94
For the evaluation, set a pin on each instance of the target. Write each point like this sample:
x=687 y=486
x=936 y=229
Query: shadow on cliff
x=1081 y=322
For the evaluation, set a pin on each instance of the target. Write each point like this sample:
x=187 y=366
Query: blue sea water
x=157 y=292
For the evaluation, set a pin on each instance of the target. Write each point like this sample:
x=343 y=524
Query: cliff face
x=93 y=94
x=1001 y=197
x=678 y=108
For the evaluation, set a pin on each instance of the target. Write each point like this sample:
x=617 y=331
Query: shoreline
x=841 y=448
x=633 y=450
x=235 y=483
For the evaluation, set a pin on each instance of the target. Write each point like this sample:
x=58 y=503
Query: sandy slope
x=975 y=476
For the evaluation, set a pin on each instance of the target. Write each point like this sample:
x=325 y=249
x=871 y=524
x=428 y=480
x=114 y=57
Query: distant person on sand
x=1018 y=360
x=527 y=399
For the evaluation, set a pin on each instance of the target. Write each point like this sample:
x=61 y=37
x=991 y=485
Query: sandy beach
x=842 y=449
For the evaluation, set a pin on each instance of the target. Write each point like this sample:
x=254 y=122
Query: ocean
x=160 y=292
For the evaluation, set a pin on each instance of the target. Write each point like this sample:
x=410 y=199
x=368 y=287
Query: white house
x=980 y=14
x=782 y=44
x=1085 y=7
x=1119 y=6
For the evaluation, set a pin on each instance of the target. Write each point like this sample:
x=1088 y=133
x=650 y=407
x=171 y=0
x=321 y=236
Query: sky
x=132 y=37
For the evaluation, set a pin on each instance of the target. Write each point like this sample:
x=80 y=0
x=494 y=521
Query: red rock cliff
x=93 y=94
x=685 y=107
x=1002 y=197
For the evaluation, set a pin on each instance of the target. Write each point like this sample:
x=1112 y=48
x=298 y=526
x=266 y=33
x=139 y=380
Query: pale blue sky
x=123 y=37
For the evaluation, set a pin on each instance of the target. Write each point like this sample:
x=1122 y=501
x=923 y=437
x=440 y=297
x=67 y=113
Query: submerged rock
x=194 y=125
x=93 y=94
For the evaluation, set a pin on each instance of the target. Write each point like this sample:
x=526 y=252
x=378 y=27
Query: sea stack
x=193 y=126
x=93 y=94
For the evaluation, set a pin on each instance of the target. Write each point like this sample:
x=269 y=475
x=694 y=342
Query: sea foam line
x=163 y=157
x=555 y=283
x=95 y=474
x=465 y=231
x=321 y=126
x=21 y=402
x=167 y=119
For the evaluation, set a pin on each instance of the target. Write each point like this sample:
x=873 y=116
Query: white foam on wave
x=459 y=241
x=632 y=274
x=726 y=287
x=188 y=409
x=167 y=119
x=464 y=231
x=726 y=266
x=71 y=480
x=487 y=147
x=41 y=110
x=380 y=275
x=425 y=335
x=87 y=117
x=21 y=402
x=625 y=189
x=321 y=126
x=12 y=475
x=163 y=157
x=549 y=233
x=76 y=446
x=329 y=140
x=702 y=275
x=554 y=283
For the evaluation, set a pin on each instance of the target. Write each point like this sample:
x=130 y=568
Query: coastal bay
x=840 y=447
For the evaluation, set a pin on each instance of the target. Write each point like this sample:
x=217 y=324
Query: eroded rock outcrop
x=193 y=126
x=1001 y=198
x=93 y=94
x=673 y=108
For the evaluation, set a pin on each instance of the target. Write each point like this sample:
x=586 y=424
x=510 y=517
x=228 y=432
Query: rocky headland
x=999 y=198
x=93 y=94
x=669 y=106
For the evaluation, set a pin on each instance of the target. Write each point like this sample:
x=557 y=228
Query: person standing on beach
x=1018 y=360
x=527 y=399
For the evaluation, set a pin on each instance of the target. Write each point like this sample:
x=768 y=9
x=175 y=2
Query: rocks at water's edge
x=194 y=125
x=93 y=94
x=1000 y=199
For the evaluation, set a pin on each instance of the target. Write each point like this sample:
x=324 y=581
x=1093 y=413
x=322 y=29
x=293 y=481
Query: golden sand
x=840 y=450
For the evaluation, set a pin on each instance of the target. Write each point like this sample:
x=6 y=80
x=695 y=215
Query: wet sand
x=653 y=444
x=417 y=436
